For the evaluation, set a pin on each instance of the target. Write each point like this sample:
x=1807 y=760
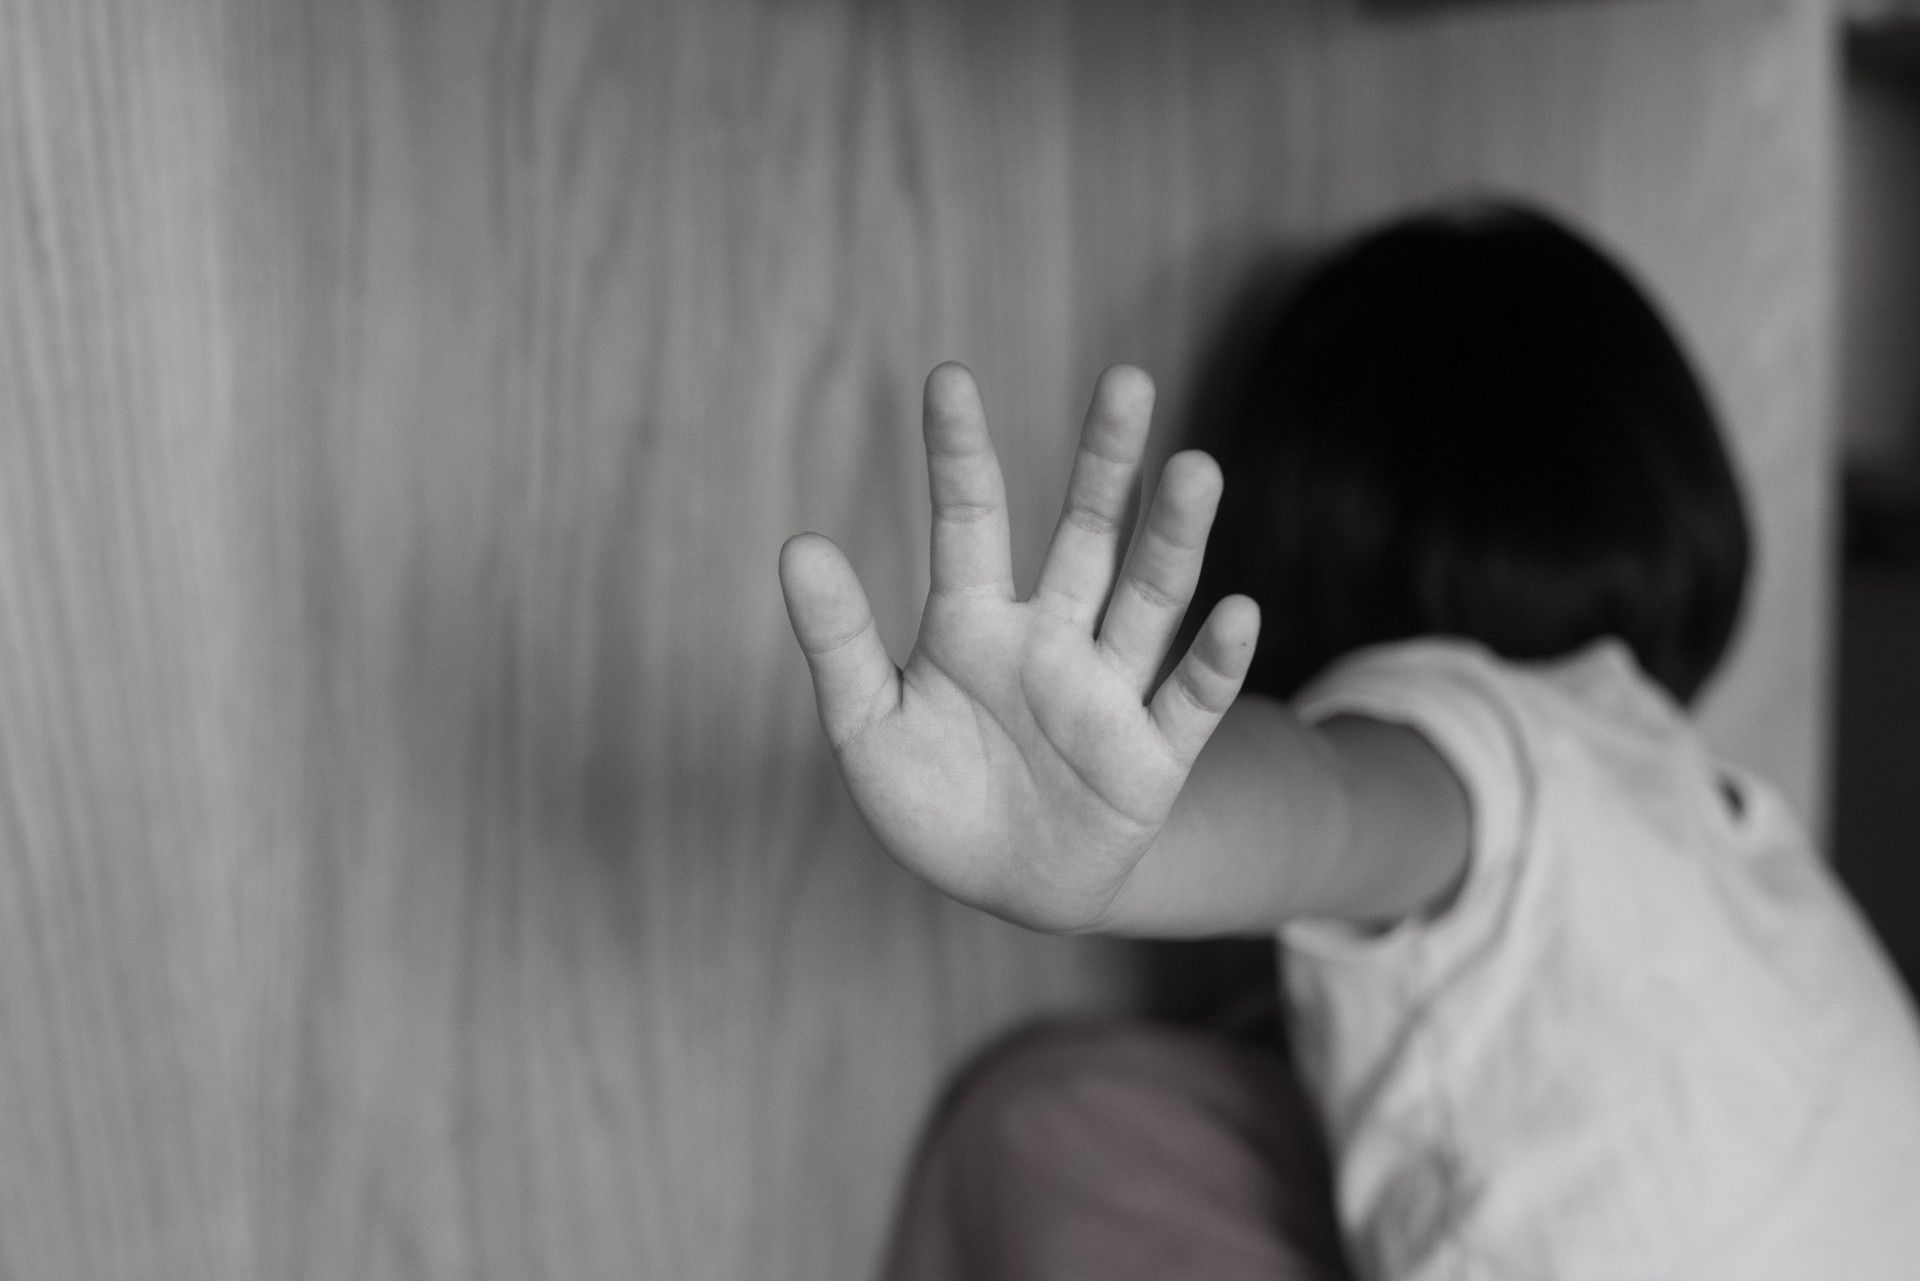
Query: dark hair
x=1470 y=422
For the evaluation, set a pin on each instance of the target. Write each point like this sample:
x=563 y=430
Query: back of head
x=1471 y=422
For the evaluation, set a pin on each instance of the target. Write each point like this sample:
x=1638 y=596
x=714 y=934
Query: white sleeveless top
x=1650 y=1038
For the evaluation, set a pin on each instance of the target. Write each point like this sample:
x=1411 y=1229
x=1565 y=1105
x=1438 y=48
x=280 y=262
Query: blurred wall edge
x=417 y=854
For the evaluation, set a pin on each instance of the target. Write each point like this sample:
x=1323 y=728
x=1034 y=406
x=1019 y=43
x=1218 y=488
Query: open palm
x=1017 y=761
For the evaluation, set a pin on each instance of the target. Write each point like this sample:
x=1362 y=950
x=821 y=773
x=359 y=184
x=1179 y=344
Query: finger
x=853 y=678
x=1192 y=700
x=1078 y=571
x=970 y=552
x=1162 y=569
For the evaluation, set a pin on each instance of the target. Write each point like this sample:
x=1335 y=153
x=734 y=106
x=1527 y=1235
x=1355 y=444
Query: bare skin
x=1023 y=759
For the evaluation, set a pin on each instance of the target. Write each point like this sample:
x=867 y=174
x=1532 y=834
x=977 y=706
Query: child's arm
x=1017 y=762
x=1354 y=819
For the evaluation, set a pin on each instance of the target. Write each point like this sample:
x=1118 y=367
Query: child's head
x=1470 y=422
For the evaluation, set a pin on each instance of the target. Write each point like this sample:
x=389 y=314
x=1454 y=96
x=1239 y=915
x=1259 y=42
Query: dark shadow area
x=1229 y=984
x=1876 y=740
x=1876 y=822
x=1224 y=377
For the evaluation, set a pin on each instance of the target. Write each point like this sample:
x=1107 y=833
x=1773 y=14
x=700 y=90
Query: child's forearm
x=1262 y=819
x=1357 y=820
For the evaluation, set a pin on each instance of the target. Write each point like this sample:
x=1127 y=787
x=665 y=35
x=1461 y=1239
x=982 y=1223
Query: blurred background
x=1876 y=778
x=418 y=857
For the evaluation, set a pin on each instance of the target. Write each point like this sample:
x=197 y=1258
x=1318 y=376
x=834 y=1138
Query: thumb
x=853 y=678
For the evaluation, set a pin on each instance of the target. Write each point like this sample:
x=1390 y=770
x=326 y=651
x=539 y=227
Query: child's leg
x=1121 y=1152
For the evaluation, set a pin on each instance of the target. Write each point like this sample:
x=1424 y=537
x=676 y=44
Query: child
x=1572 y=997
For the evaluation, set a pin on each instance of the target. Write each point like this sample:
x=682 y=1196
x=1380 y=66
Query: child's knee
x=1038 y=1069
x=1069 y=1092
x=1028 y=1095
x=1145 y=1137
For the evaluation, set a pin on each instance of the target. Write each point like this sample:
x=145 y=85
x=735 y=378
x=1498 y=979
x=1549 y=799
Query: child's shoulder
x=1581 y=759
x=1519 y=711
x=1604 y=672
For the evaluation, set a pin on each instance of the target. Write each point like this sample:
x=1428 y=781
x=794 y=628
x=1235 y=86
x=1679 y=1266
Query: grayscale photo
x=912 y=640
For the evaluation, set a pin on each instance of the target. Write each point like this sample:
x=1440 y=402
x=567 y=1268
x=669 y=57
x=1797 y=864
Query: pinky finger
x=1192 y=700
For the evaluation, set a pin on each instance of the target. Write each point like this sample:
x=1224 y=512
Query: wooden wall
x=417 y=855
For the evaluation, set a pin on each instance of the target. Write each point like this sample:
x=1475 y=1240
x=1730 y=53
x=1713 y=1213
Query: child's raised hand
x=1016 y=762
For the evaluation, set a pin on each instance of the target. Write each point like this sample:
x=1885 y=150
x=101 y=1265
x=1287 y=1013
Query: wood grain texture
x=417 y=854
